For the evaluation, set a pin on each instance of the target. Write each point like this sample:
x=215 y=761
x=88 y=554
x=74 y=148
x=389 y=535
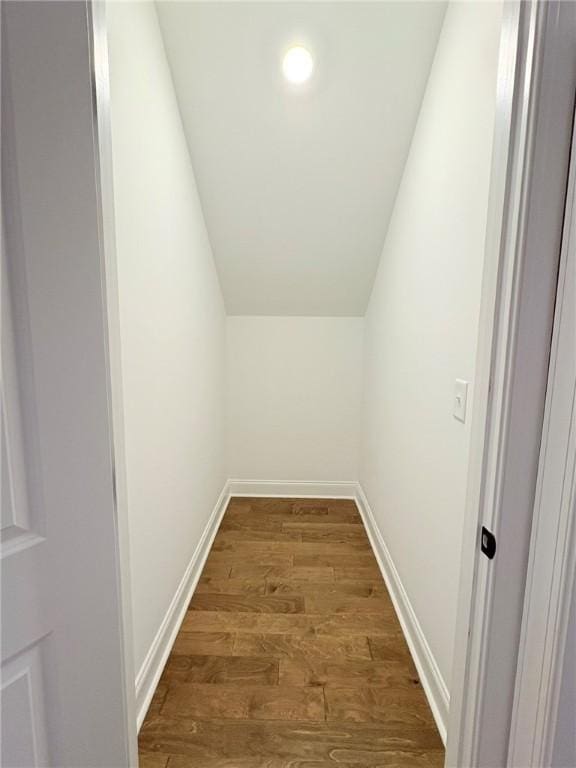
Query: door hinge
x=488 y=543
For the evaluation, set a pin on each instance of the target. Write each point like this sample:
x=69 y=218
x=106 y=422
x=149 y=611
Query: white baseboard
x=151 y=669
x=428 y=670
x=290 y=488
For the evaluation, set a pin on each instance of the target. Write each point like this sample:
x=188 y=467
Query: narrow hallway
x=290 y=653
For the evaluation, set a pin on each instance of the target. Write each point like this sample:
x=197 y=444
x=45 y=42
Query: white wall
x=422 y=322
x=294 y=384
x=172 y=322
x=294 y=393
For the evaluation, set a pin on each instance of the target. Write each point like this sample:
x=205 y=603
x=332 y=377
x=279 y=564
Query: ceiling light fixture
x=297 y=65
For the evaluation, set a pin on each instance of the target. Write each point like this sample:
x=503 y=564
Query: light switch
x=460 y=397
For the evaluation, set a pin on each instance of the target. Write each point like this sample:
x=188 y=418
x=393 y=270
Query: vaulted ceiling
x=298 y=183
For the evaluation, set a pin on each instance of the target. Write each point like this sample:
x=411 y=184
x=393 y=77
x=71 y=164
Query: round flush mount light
x=297 y=65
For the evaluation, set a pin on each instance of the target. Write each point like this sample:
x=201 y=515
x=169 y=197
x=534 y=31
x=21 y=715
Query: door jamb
x=96 y=10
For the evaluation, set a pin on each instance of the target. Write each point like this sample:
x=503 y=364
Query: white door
x=25 y=624
x=63 y=677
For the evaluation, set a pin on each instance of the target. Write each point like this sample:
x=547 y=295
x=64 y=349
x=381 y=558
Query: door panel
x=23 y=722
x=25 y=618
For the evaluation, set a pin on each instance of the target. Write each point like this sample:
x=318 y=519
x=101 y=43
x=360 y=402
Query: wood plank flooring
x=290 y=655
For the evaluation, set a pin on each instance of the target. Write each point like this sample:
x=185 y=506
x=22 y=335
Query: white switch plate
x=460 y=397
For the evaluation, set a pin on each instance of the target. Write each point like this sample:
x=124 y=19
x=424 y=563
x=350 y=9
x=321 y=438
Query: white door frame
x=537 y=82
x=103 y=152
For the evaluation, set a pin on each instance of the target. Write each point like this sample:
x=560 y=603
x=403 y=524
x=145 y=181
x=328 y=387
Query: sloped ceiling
x=298 y=183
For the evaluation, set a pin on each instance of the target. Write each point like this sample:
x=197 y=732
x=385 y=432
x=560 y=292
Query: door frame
x=100 y=76
x=532 y=139
x=531 y=149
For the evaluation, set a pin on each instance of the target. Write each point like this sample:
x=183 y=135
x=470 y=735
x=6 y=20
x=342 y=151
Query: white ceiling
x=298 y=183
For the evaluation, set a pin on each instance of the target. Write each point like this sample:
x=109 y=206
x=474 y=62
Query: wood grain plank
x=175 y=670
x=303 y=515
x=348 y=673
x=244 y=702
x=255 y=670
x=207 y=643
x=180 y=761
x=158 y=698
x=302 y=647
x=362 y=744
x=153 y=760
x=391 y=647
x=341 y=624
x=288 y=573
x=385 y=759
x=340 y=505
x=357 y=538
x=344 y=572
x=216 y=570
x=340 y=560
x=232 y=622
x=293 y=506
x=247 y=603
x=375 y=705
x=247 y=523
x=357 y=549
x=229 y=559
x=328 y=588
x=314 y=526
x=268 y=505
x=321 y=604
x=255 y=534
x=209 y=585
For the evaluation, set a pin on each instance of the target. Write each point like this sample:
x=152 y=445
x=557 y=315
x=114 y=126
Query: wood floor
x=290 y=654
